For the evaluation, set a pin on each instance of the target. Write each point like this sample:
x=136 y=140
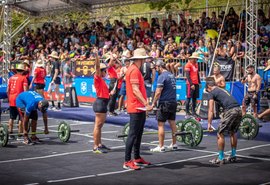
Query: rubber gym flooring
x=54 y=162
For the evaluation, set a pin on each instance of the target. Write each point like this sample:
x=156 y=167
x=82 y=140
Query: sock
x=221 y=155
x=58 y=103
x=53 y=103
x=233 y=152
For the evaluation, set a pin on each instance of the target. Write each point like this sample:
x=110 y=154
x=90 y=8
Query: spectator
x=38 y=79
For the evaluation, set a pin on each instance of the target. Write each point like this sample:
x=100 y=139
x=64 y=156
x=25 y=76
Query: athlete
x=28 y=103
x=229 y=122
x=254 y=84
x=100 y=105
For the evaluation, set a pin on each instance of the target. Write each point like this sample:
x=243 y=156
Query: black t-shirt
x=223 y=98
x=146 y=71
x=55 y=65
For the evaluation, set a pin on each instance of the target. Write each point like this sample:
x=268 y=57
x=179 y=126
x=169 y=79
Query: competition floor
x=54 y=162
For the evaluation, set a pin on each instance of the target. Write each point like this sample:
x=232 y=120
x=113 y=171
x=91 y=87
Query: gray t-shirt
x=67 y=70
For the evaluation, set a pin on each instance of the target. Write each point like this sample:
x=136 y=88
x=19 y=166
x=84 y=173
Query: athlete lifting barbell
x=232 y=120
x=28 y=103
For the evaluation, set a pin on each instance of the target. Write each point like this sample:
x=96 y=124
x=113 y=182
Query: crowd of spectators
x=165 y=38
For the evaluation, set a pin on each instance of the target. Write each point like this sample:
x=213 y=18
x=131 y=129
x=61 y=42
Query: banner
x=226 y=67
x=84 y=68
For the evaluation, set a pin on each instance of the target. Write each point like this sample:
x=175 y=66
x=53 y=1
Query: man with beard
x=254 y=84
x=166 y=95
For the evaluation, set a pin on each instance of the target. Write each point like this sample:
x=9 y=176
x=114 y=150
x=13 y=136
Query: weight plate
x=179 y=128
x=249 y=128
x=125 y=132
x=64 y=131
x=195 y=128
x=3 y=135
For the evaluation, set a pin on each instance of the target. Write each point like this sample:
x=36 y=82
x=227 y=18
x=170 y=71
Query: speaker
x=70 y=98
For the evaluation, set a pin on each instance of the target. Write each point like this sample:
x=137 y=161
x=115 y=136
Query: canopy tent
x=37 y=7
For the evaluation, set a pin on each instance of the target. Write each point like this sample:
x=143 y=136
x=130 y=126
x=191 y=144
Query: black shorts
x=39 y=86
x=193 y=93
x=57 y=81
x=166 y=111
x=100 y=105
x=33 y=115
x=248 y=99
x=230 y=121
x=13 y=113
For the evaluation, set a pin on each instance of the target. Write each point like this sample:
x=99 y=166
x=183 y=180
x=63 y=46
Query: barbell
x=248 y=129
x=63 y=133
x=190 y=131
x=125 y=131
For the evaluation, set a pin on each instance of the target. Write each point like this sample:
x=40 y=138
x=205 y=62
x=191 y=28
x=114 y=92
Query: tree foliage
x=169 y=4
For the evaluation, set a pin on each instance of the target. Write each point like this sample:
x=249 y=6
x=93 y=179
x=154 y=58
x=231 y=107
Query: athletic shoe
x=158 y=149
x=217 y=161
x=104 y=147
x=141 y=162
x=130 y=165
x=99 y=150
x=231 y=159
x=112 y=114
x=173 y=147
x=118 y=112
x=27 y=141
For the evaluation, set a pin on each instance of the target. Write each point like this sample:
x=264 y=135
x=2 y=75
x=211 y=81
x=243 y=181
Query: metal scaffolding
x=6 y=40
x=251 y=32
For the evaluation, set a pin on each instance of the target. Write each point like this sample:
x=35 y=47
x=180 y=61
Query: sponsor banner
x=84 y=68
x=226 y=67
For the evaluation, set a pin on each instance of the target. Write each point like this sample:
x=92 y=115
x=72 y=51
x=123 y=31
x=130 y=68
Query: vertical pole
x=6 y=40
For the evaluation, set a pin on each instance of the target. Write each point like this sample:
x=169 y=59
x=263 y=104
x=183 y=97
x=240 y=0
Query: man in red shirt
x=193 y=81
x=16 y=84
x=136 y=98
x=39 y=78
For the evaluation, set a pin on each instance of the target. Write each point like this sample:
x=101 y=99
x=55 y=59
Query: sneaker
x=99 y=150
x=27 y=141
x=130 y=165
x=112 y=114
x=104 y=147
x=231 y=159
x=117 y=112
x=141 y=162
x=35 y=139
x=158 y=149
x=173 y=147
x=217 y=161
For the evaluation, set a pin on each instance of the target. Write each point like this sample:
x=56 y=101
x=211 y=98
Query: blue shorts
x=123 y=90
